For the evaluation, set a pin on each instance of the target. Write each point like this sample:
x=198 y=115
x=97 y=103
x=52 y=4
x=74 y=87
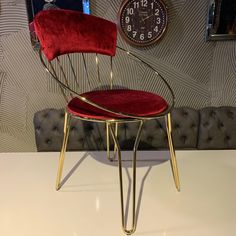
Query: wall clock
x=142 y=22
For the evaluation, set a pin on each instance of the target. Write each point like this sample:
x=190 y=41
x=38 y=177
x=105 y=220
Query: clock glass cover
x=142 y=22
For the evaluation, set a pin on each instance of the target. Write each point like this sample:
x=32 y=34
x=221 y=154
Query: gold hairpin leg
x=173 y=160
x=137 y=140
x=108 y=141
x=63 y=149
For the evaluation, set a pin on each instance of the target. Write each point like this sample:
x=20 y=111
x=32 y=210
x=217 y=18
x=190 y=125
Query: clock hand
x=147 y=17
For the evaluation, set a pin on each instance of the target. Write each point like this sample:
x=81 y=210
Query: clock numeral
x=156 y=29
x=158 y=20
x=136 y=4
x=144 y=3
x=152 y=5
x=134 y=33
x=129 y=28
x=127 y=20
x=157 y=11
x=149 y=34
x=130 y=11
x=141 y=36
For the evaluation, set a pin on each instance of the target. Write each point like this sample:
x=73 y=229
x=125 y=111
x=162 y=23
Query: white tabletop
x=88 y=204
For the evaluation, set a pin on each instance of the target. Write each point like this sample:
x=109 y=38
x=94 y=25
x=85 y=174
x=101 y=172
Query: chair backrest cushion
x=66 y=31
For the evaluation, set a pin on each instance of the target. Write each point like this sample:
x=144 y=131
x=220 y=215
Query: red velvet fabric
x=66 y=31
x=132 y=102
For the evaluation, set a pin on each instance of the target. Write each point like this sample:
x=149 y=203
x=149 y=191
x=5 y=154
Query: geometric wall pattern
x=201 y=73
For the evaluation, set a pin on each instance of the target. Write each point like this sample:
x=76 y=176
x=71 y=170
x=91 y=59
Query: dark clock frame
x=140 y=43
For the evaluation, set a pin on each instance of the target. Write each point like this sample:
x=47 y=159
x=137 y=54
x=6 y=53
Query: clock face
x=142 y=22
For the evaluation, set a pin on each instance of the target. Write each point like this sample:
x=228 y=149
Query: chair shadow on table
x=162 y=156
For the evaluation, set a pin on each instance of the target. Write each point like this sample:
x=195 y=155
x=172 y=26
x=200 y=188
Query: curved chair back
x=82 y=62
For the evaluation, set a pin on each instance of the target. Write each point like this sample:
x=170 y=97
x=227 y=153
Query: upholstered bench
x=207 y=128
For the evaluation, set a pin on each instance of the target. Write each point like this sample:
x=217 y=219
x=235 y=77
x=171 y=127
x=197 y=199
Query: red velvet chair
x=93 y=86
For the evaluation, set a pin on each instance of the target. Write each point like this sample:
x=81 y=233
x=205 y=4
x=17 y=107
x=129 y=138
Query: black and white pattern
x=200 y=73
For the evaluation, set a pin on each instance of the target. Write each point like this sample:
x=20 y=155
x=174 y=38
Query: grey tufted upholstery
x=91 y=136
x=217 y=128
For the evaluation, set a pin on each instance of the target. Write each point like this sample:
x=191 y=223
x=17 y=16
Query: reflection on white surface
x=29 y=204
x=97 y=204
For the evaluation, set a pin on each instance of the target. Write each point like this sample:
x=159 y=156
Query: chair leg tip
x=129 y=232
x=58 y=187
x=110 y=159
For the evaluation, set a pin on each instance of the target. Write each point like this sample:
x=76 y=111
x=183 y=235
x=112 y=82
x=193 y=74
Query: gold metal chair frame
x=112 y=130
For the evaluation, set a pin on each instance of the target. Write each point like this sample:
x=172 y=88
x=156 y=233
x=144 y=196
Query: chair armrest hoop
x=103 y=108
x=162 y=78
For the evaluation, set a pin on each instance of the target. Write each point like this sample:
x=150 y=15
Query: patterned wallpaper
x=200 y=73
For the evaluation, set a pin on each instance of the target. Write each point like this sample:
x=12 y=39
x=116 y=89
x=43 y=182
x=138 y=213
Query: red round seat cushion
x=132 y=102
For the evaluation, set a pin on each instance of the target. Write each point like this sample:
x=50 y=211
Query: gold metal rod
x=173 y=160
x=137 y=140
x=73 y=71
x=64 y=74
x=54 y=74
x=62 y=71
x=108 y=140
x=98 y=69
x=63 y=150
x=116 y=134
x=86 y=70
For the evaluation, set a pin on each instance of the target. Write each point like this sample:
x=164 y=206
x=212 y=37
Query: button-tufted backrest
x=185 y=123
x=91 y=136
x=208 y=128
x=217 y=128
